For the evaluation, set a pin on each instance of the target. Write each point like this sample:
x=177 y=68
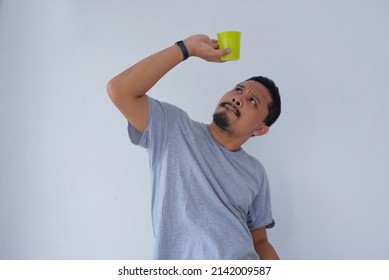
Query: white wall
x=73 y=187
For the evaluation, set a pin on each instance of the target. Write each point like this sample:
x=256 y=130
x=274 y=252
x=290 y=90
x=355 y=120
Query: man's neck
x=225 y=139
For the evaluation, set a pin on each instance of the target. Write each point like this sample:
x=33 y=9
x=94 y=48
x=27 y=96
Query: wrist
x=184 y=50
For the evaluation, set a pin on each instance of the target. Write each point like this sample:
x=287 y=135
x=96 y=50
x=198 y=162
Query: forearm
x=266 y=251
x=141 y=77
x=137 y=80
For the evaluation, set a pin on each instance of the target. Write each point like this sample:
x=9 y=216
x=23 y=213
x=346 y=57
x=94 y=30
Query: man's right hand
x=203 y=47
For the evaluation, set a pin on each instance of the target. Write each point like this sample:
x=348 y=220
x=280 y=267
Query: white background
x=73 y=187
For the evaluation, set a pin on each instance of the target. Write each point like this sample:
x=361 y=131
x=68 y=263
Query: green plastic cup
x=231 y=40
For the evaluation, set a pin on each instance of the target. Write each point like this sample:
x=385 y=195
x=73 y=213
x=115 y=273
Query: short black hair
x=275 y=106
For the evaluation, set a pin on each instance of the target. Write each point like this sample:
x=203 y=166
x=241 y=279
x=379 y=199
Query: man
x=210 y=199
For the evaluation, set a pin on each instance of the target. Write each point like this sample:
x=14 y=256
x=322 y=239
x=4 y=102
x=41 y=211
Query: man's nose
x=236 y=101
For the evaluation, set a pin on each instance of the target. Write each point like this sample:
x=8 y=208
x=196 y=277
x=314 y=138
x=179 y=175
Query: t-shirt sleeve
x=143 y=139
x=161 y=118
x=260 y=214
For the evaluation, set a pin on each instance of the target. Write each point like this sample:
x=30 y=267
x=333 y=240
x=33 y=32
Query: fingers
x=220 y=53
x=226 y=51
x=215 y=43
x=206 y=48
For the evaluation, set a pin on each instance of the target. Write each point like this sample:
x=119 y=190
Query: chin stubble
x=221 y=120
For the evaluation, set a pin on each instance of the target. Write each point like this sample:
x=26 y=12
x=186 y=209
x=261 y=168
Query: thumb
x=225 y=51
x=219 y=53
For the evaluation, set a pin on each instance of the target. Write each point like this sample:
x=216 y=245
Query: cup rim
x=229 y=31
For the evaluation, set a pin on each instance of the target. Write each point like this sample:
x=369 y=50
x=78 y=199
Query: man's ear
x=260 y=131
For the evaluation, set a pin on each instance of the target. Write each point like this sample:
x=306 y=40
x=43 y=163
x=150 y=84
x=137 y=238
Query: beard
x=221 y=120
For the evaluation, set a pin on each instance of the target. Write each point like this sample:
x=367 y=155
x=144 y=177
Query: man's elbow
x=116 y=93
x=112 y=89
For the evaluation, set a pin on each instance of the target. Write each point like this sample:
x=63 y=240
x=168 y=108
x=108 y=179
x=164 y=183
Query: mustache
x=236 y=110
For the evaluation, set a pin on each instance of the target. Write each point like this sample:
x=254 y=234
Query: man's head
x=275 y=106
x=250 y=108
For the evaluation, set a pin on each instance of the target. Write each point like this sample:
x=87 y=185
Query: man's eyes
x=251 y=99
x=238 y=90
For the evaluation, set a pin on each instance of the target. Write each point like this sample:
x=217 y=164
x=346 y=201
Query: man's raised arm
x=127 y=90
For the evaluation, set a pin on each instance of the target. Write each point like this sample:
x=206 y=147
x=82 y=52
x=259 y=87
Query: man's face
x=242 y=111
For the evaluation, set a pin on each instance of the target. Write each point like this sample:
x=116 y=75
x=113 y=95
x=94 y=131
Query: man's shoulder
x=166 y=104
x=253 y=160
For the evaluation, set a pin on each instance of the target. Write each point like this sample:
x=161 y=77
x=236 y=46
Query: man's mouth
x=231 y=107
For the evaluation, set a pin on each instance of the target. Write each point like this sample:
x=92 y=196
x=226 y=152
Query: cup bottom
x=229 y=58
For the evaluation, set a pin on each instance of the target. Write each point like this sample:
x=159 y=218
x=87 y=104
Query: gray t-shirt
x=205 y=198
